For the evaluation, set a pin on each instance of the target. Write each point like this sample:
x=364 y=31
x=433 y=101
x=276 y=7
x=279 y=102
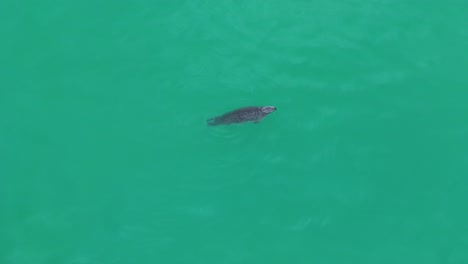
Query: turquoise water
x=105 y=156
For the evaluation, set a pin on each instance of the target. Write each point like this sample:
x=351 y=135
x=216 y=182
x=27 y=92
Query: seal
x=245 y=114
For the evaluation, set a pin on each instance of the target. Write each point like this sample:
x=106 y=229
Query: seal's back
x=241 y=115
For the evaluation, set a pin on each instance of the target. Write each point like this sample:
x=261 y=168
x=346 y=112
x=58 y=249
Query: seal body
x=245 y=114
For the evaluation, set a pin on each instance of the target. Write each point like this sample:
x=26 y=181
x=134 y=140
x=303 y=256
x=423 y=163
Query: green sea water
x=105 y=156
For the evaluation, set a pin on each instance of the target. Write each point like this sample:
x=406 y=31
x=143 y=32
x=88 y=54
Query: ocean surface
x=105 y=156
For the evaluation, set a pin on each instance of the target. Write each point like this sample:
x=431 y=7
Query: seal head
x=268 y=109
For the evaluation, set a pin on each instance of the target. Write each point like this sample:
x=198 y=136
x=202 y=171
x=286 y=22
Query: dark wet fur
x=245 y=114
